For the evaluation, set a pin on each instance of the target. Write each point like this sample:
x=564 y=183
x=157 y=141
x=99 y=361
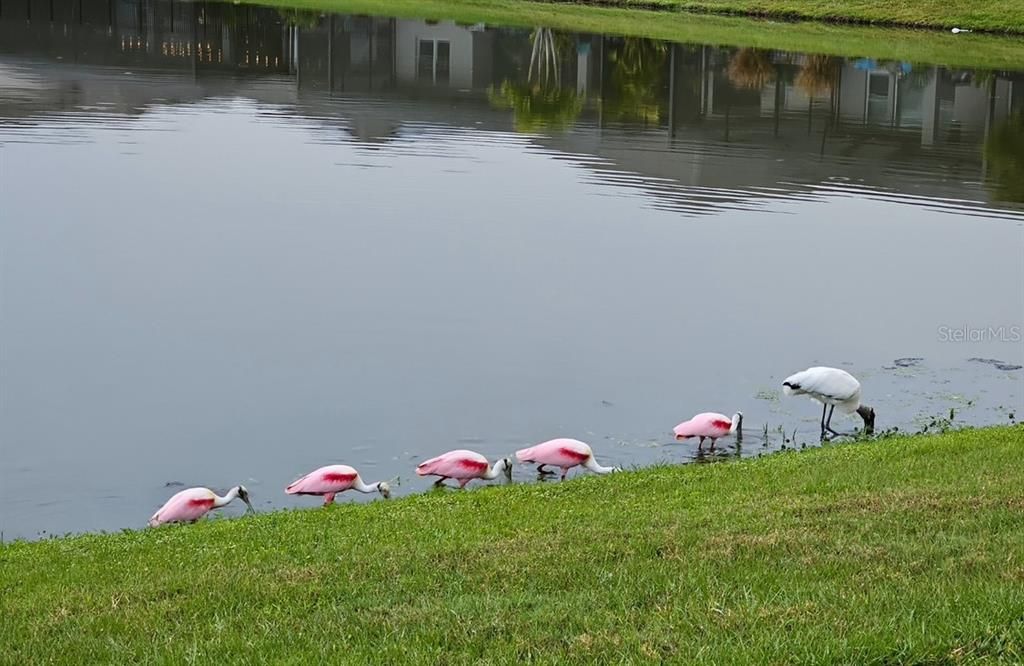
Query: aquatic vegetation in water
x=1001 y=365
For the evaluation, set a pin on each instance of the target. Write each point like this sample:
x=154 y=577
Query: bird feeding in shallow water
x=191 y=504
x=330 y=480
x=464 y=466
x=710 y=425
x=833 y=388
x=564 y=453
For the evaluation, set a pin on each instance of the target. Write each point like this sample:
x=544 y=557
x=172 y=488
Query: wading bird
x=563 y=453
x=833 y=388
x=464 y=466
x=709 y=425
x=191 y=504
x=330 y=480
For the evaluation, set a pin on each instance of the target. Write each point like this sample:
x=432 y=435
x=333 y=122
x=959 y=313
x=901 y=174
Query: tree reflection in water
x=636 y=87
x=541 y=103
x=819 y=74
x=751 y=68
x=1004 y=154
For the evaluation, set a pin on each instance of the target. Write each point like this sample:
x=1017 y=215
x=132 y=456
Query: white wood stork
x=833 y=388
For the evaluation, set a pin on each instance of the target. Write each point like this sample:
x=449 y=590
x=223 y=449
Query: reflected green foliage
x=1004 y=152
x=639 y=76
x=983 y=78
x=549 y=50
x=541 y=103
x=536 y=108
x=300 y=18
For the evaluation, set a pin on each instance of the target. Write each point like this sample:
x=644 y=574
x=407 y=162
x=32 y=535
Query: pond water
x=237 y=243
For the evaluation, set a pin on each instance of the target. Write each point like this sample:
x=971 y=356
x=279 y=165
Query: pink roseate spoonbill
x=464 y=466
x=333 y=479
x=833 y=388
x=564 y=453
x=709 y=425
x=191 y=504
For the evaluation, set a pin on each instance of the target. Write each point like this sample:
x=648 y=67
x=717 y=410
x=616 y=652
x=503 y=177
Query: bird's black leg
x=712 y=443
x=828 y=424
x=543 y=472
x=440 y=482
x=700 y=444
x=823 y=408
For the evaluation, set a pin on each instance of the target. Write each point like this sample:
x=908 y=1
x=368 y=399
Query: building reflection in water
x=582 y=93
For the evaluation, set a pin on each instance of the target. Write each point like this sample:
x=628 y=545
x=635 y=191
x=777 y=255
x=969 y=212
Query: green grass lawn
x=907 y=550
x=918 y=46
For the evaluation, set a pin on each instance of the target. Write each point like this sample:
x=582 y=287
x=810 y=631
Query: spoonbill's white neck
x=363 y=487
x=228 y=498
x=239 y=492
x=593 y=466
x=500 y=468
x=737 y=422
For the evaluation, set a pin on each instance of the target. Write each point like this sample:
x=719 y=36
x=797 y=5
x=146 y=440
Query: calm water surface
x=236 y=244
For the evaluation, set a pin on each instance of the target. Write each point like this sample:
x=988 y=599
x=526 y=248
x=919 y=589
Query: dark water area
x=237 y=243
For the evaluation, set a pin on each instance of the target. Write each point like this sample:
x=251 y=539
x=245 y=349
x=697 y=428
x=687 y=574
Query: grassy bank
x=965 y=50
x=901 y=551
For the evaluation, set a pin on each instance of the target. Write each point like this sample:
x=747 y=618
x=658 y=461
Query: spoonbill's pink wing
x=327 y=479
x=459 y=464
x=560 y=452
x=189 y=504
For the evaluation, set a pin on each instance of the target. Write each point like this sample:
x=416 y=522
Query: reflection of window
x=433 y=61
x=878 y=110
x=879 y=84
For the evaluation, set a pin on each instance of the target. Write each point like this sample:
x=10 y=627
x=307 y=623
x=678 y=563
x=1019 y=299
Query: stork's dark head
x=868 y=414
